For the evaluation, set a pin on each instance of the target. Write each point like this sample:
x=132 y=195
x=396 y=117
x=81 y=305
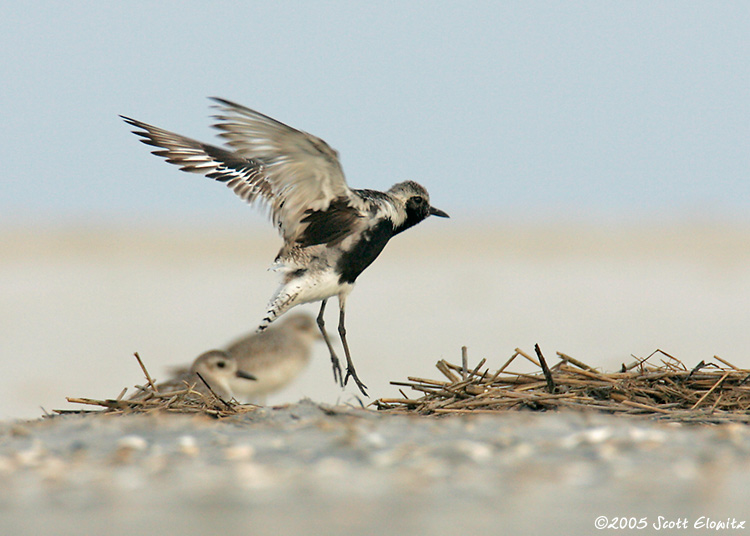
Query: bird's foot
x=351 y=373
x=338 y=376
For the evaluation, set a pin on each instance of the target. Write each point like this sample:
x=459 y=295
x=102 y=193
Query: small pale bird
x=275 y=356
x=219 y=369
x=331 y=232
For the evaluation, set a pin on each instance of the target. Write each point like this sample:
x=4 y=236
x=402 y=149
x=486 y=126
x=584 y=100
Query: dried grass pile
x=150 y=399
x=713 y=392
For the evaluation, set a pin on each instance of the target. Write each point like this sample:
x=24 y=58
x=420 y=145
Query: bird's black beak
x=437 y=212
x=246 y=375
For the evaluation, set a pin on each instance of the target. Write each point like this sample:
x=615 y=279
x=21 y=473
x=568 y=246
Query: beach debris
x=190 y=397
x=714 y=391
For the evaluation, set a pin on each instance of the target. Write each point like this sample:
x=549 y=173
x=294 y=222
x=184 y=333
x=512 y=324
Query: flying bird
x=331 y=232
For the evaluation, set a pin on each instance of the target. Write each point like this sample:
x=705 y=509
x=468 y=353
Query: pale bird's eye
x=221 y=364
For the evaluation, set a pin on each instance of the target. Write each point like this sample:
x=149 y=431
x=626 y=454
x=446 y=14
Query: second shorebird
x=275 y=356
x=331 y=232
x=217 y=368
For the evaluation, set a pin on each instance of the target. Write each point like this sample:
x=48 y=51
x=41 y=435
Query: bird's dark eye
x=221 y=364
x=417 y=199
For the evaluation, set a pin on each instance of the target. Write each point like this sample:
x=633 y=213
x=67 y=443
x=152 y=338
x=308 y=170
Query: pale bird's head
x=219 y=368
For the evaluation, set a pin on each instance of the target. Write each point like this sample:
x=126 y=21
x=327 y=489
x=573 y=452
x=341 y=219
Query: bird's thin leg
x=337 y=375
x=349 y=365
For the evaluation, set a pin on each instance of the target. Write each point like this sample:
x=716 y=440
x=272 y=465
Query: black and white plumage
x=331 y=232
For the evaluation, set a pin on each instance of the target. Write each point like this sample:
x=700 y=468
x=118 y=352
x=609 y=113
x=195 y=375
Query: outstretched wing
x=293 y=173
x=303 y=170
x=243 y=175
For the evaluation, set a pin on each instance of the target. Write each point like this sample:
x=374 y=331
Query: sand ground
x=76 y=302
x=307 y=469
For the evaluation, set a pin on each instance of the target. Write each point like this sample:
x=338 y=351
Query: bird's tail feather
x=284 y=299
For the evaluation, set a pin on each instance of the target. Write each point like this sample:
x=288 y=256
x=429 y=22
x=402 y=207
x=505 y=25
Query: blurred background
x=594 y=158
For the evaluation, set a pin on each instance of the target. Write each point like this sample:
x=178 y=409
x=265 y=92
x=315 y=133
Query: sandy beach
x=78 y=302
x=310 y=469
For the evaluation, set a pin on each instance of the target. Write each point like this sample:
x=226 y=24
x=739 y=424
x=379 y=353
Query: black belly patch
x=360 y=256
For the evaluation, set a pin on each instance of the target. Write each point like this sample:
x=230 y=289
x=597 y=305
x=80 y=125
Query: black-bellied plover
x=331 y=232
x=219 y=369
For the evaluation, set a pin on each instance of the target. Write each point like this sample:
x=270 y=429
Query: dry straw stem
x=712 y=392
x=145 y=372
x=149 y=399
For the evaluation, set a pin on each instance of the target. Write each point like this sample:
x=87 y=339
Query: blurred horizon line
x=460 y=218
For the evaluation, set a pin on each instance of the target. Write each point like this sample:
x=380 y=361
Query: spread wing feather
x=244 y=176
x=297 y=176
x=303 y=170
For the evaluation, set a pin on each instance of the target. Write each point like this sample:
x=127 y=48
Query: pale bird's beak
x=437 y=212
x=246 y=375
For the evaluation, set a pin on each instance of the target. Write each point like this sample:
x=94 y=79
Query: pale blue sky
x=591 y=109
